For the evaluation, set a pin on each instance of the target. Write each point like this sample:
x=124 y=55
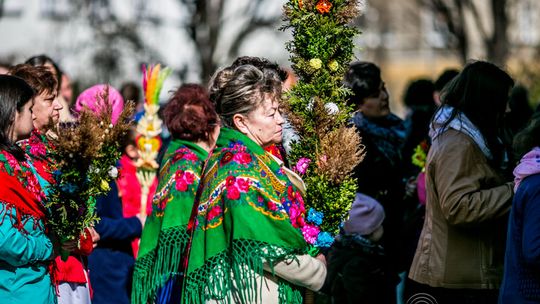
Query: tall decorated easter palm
x=328 y=150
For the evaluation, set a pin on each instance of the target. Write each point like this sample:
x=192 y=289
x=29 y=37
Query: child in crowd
x=357 y=263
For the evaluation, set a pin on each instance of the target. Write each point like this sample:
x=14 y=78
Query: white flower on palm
x=113 y=172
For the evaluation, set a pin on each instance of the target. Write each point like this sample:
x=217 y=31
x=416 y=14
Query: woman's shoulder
x=452 y=136
x=456 y=143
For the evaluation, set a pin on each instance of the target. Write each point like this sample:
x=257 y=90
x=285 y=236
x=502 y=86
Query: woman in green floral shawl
x=193 y=123
x=247 y=244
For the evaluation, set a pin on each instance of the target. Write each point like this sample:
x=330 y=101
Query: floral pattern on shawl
x=181 y=172
x=285 y=202
x=38 y=148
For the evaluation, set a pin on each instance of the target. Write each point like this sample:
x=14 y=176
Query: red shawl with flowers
x=20 y=190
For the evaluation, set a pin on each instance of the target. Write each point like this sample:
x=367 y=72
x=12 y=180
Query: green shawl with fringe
x=164 y=236
x=244 y=219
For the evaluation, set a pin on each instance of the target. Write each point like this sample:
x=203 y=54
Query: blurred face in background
x=66 y=90
x=376 y=105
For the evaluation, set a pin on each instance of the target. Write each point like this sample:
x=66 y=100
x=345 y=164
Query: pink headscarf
x=529 y=165
x=88 y=98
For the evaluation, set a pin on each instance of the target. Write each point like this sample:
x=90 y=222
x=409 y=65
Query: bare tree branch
x=495 y=42
x=208 y=24
x=477 y=19
x=253 y=26
x=455 y=23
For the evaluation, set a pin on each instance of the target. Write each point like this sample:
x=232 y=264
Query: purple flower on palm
x=302 y=165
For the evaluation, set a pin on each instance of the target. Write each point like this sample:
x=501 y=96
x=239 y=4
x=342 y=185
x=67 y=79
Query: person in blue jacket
x=25 y=249
x=112 y=261
x=521 y=280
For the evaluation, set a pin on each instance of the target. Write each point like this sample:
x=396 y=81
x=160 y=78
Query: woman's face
x=263 y=125
x=376 y=105
x=23 y=125
x=46 y=108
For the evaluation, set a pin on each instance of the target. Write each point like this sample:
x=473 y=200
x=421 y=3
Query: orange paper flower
x=324 y=6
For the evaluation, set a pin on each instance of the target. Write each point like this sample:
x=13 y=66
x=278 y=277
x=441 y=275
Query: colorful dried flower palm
x=149 y=129
x=85 y=154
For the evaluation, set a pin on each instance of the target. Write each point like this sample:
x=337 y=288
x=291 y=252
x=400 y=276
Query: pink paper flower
x=310 y=233
x=294 y=214
x=302 y=165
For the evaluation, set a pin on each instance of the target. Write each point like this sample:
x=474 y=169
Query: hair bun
x=219 y=82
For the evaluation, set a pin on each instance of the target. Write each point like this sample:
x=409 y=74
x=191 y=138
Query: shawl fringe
x=154 y=269
x=237 y=276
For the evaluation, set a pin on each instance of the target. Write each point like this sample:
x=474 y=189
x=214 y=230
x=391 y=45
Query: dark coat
x=357 y=272
x=380 y=175
x=111 y=263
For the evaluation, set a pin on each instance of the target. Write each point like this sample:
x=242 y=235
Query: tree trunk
x=460 y=33
x=497 y=45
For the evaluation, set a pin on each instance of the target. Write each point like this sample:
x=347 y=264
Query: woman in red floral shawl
x=25 y=249
x=70 y=275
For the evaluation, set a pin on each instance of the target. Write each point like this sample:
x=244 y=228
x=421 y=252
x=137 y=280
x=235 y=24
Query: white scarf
x=459 y=123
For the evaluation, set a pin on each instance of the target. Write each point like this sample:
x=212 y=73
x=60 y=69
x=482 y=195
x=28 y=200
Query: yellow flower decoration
x=104 y=186
x=315 y=63
x=420 y=155
x=333 y=65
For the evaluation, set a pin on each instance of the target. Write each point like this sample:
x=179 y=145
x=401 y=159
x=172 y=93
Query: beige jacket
x=305 y=271
x=463 y=239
